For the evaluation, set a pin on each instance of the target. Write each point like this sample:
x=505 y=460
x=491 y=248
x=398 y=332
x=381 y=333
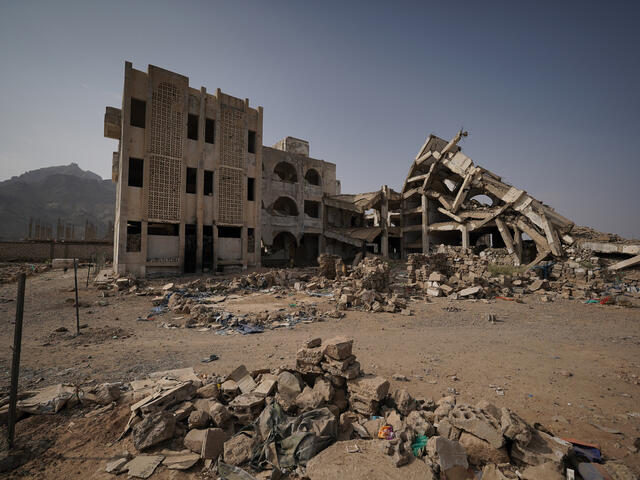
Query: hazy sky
x=548 y=90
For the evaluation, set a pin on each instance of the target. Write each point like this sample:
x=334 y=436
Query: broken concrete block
x=311 y=356
x=478 y=423
x=338 y=348
x=117 y=466
x=448 y=431
x=239 y=449
x=153 y=429
x=183 y=411
x=541 y=449
x=369 y=386
x=405 y=403
x=467 y=292
x=418 y=421
x=515 y=428
x=198 y=419
x=480 y=452
x=313 y=342
x=267 y=385
x=193 y=440
x=447 y=453
x=182 y=460
x=241 y=376
x=548 y=471
x=210 y=390
x=324 y=388
x=309 y=399
x=213 y=443
x=219 y=413
x=143 y=466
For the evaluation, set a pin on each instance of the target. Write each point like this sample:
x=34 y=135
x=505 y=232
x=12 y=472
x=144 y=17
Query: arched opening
x=285 y=206
x=483 y=200
x=286 y=172
x=313 y=177
x=281 y=252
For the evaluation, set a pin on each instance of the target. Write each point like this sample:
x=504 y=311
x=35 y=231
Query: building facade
x=196 y=189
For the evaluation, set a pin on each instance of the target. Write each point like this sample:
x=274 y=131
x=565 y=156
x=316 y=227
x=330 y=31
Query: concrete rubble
x=181 y=420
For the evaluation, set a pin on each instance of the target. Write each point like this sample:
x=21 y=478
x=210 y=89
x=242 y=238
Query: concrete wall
x=42 y=251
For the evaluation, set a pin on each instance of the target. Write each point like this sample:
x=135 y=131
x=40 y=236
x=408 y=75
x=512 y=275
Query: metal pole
x=15 y=365
x=75 y=276
x=88 y=273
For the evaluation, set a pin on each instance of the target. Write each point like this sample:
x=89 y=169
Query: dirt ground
x=570 y=366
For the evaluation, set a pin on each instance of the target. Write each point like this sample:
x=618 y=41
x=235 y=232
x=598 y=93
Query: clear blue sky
x=548 y=90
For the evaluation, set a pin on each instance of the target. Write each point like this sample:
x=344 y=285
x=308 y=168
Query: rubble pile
x=282 y=421
x=455 y=272
x=367 y=285
x=9 y=271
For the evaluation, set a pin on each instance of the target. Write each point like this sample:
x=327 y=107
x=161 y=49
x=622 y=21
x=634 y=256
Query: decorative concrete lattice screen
x=165 y=176
x=233 y=143
x=232 y=154
x=165 y=146
x=230 y=195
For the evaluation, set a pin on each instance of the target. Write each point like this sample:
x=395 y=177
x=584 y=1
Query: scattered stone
x=239 y=449
x=213 y=443
x=194 y=439
x=182 y=460
x=153 y=429
x=143 y=466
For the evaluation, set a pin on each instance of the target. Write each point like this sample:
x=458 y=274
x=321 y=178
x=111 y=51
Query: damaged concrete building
x=198 y=191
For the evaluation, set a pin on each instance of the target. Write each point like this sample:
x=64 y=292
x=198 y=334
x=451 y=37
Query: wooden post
x=15 y=364
x=75 y=277
x=88 y=273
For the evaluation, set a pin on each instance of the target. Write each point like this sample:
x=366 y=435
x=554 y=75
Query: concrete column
x=425 y=224
x=200 y=179
x=465 y=236
x=144 y=225
x=384 y=222
x=244 y=247
x=120 y=223
x=215 y=246
x=257 y=232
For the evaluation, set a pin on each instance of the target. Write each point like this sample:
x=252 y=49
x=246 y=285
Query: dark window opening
x=285 y=206
x=208 y=182
x=207 y=247
x=192 y=127
x=209 y=130
x=136 y=169
x=134 y=236
x=312 y=208
x=251 y=240
x=166 y=229
x=250 y=189
x=286 y=172
x=312 y=177
x=192 y=179
x=229 y=232
x=252 y=142
x=138 y=112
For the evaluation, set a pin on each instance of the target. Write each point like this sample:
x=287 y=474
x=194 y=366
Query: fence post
x=15 y=364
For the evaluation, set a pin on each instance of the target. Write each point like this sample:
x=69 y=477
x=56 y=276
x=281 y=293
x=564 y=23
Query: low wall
x=44 y=250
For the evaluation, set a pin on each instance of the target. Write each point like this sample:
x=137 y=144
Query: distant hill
x=63 y=192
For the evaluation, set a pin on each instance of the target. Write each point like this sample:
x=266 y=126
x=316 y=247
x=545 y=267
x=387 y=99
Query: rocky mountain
x=63 y=192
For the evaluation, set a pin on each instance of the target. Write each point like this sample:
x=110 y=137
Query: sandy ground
x=564 y=364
